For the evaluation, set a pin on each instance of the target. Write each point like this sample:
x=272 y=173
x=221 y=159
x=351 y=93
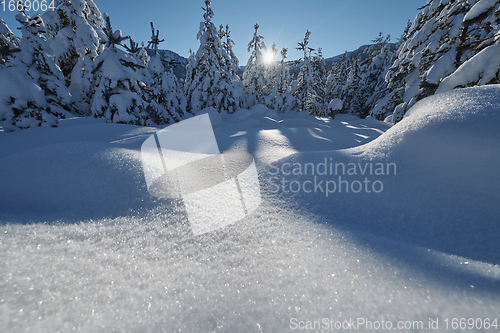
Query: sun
x=268 y=57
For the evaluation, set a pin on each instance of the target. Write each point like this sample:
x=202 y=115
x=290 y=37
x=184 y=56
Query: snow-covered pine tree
x=320 y=105
x=337 y=78
x=429 y=53
x=271 y=67
x=254 y=76
x=71 y=35
x=166 y=91
x=134 y=47
x=373 y=67
x=155 y=39
x=232 y=59
x=382 y=57
x=189 y=69
x=480 y=44
x=284 y=99
x=121 y=95
x=37 y=55
x=9 y=44
x=32 y=88
x=353 y=94
x=282 y=74
x=305 y=93
x=269 y=89
x=141 y=55
x=75 y=32
x=209 y=82
x=389 y=94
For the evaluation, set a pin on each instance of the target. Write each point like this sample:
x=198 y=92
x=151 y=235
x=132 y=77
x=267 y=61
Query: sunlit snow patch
x=184 y=161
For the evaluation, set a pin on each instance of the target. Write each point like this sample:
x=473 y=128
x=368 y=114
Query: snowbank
x=84 y=245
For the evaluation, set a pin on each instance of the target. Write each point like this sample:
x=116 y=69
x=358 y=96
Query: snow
x=4 y=29
x=481 y=68
x=215 y=116
x=84 y=246
x=442 y=67
x=18 y=85
x=336 y=104
x=479 y=8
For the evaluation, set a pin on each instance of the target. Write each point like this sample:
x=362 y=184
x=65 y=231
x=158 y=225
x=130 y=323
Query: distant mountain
x=351 y=54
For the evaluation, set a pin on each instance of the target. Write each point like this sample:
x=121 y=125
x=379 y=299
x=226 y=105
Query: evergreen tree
x=337 y=78
x=232 y=59
x=320 y=105
x=353 y=95
x=33 y=92
x=373 y=68
x=121 y=95
x=390 y=93
x=304 y=93
x=155 y=39
x=189 y=69
x=283 y=74
x=254 y=76
x=480 y=46
x=209 y=81
x=9 y=44
x=284 y=100
x=269 y=89
x=75 y=32
x=429 y=52
x=166 y=91
x=141 y=56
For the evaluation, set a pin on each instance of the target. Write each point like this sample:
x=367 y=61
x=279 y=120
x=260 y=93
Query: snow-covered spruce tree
x=32 y=88
x=155 y=39
x=75 y=32
x=271 y=67
x=71 y=35
x=389 y=94
x=284 y=99
x=374 y=68
x=337 y=78
x=233 y=65
x=304 y=93
x=269 y=90
x=430 y=51
x=141 y=56
x=480 y=45
x=360 y=82
x=320 y=105
x=209 y=80
x=254 y=76
x=232 y=62
x=9 y=44
x=166 y=91
x=121 y=95
x=282 y=74
x=353 y=94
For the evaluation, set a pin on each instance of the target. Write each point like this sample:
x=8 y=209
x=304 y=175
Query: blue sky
x=336 y=25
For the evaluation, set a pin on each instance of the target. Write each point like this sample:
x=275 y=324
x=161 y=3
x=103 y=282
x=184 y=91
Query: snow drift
x=85 y=247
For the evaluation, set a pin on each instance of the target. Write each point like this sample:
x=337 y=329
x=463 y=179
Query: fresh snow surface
x=85 y=247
